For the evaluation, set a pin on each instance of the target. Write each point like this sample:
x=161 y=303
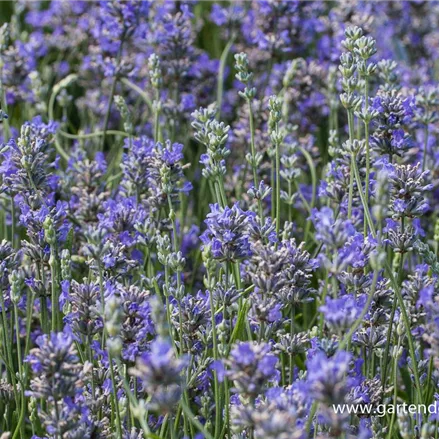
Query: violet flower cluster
x=219 y=220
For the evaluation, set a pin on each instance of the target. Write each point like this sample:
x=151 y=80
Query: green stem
x=17 y=335
x=390 y=329
x=395 y=390
x=193 y=420
x=112 y=90
x=351 y=174
x=134 y=404
x=311 y=415
x=20 y=425
x=216 y=384
x=253 y=154
x=322 y=302
x=4 y=103
x=54 y=286
x=115 y=397
x=366 y=136
x=347 y=338
x=157 y=117
x=44 y=315
x=424 y=159
x=220 y=83
x=5 y=329
x=138 y=90
x=312 y=170
x=101 y=295
x=222 y=191
x=277 y=187
x=91 y=135
x=56 y=89
x=291 y=334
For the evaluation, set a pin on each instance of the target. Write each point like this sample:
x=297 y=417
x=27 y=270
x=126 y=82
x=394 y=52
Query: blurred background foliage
x=6 y=10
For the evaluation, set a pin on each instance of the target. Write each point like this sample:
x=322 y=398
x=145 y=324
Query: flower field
x=219 y=220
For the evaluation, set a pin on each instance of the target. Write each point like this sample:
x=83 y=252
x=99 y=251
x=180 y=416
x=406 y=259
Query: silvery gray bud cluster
x=261 y=192
x=16 y=281
x=355 y=146
x=125 y=114
x=244 y=75
x=387 y=73
x=213 y=135
x=155 y=73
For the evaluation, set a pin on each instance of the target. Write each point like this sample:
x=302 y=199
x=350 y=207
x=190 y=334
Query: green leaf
x=69 y=241
x=239 y=330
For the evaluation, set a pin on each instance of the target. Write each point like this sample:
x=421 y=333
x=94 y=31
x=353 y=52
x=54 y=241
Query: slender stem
x=20 y=425
x=322 y=302
x=156 y=107
x=13 y=219
x=277 y=186
x=193 y=420
x=390 y=329
x=54 y=286
x=44 y=314
x=290 y=193
x=91 y=135
x=424 y=159
x=311 y=415
x=292 y=315
x=222 y=191
x=112 y=90
x=218 y=195
x=366 y=136
x=56 y=89
x=429 y=375
x=57 y=432
x=102 y=297
x=138 y=90
x=116 y=399
x=4 y=106
x=134 y=404
x=347 y=338
x=273 y=180
x=91 y=360
x=220 y=82
x=312 y=170
x=395 y=389
x=8 y=345
x=18 y=340
x=253 y=154
x=351 y=174
x=215 y=356
x=252 y=143
x=5 y=341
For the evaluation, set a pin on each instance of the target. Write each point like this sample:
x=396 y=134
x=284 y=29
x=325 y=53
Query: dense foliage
x=219 y=220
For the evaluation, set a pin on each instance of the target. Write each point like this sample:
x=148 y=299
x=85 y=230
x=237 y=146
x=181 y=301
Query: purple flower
x=341 y=313
x=330 y=231
x=160 y=373
x=327 y=377
x=56 y=367
x=227 y=232
x=394 y=113
x=251 y=366
x=408 y=191
x=159 y=367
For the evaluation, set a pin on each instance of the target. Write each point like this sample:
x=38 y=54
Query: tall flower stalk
x=364 y=50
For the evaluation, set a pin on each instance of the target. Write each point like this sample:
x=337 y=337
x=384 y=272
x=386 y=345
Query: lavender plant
x=219 y=220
